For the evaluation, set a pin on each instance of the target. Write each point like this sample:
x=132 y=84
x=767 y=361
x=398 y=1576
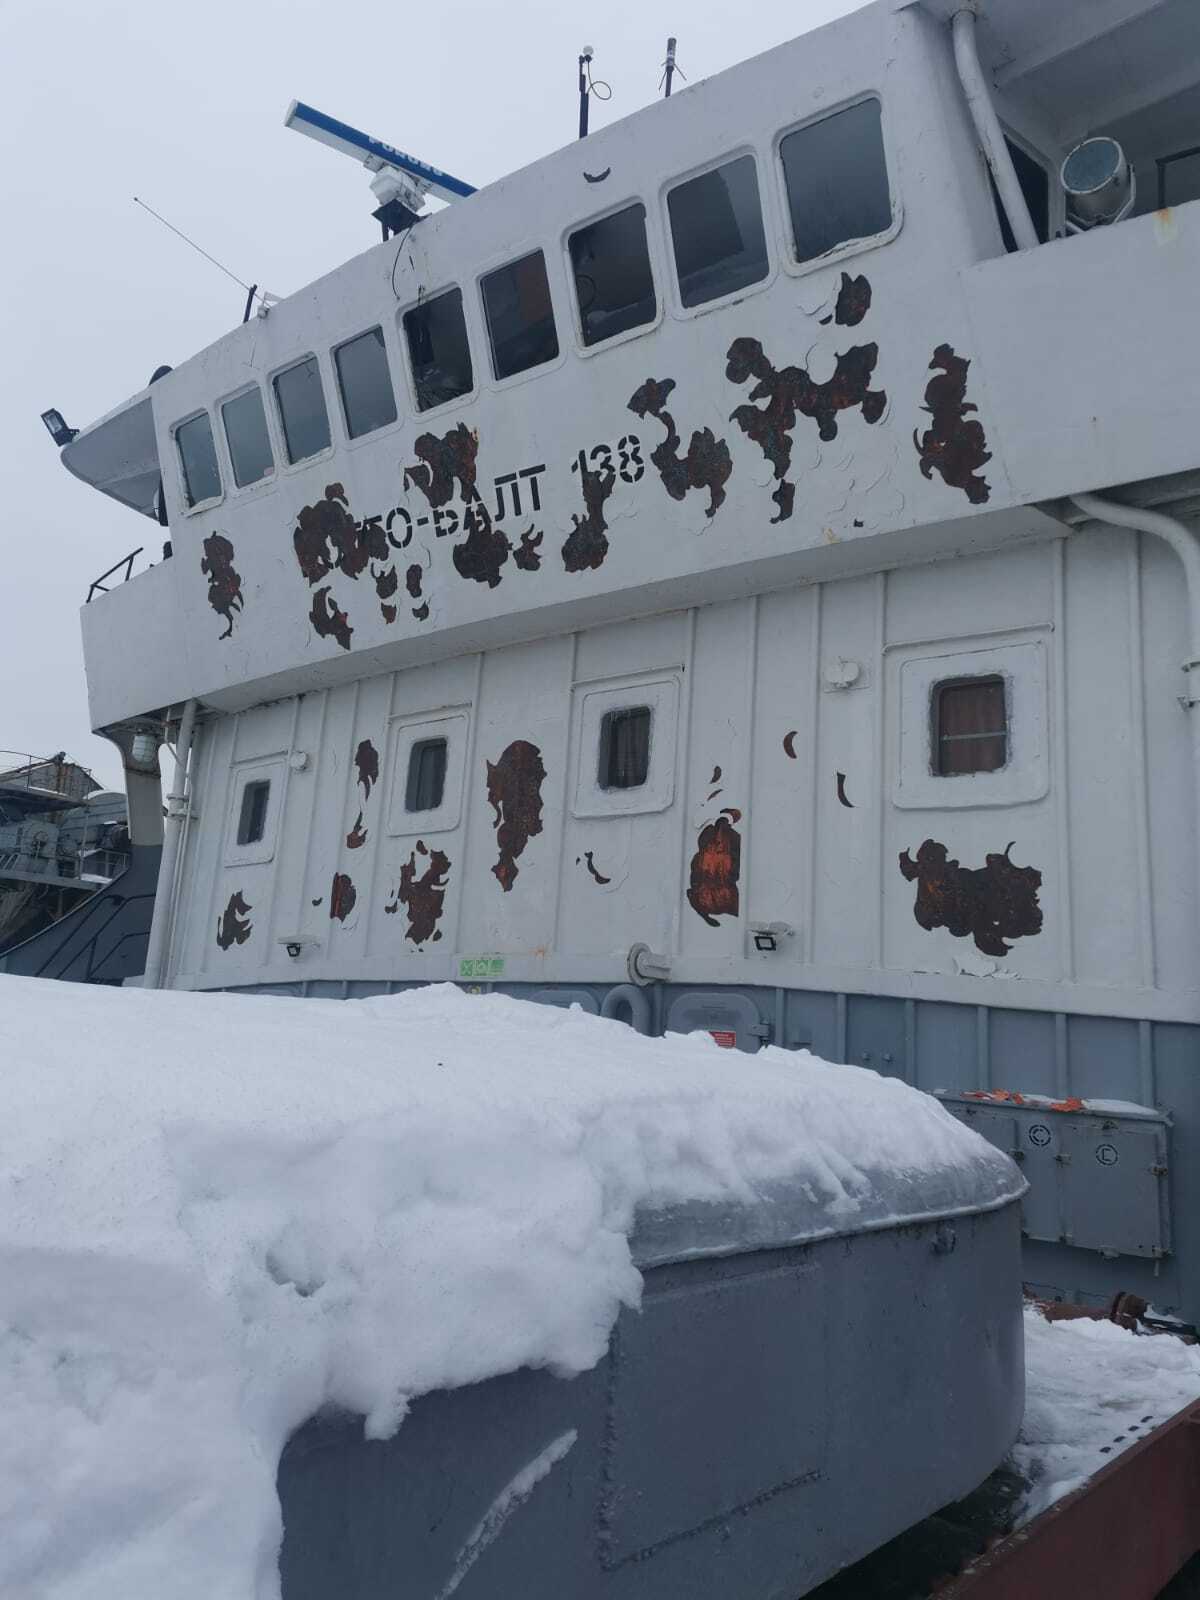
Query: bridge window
x=198 y=460
x=246 y=434
x=426 y=775
x=252 y=815
x=970 y=726
x=436 y=332
x=837 y=182
x=368 y=401
x=717 y=232
x=625 y=748
x=302 y=413
x=614 y=286
x=520 y=317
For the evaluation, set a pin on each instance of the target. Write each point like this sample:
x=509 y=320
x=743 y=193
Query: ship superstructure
x=739 y=572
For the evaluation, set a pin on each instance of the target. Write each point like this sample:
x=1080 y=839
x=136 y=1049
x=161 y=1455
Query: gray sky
x=183 y=105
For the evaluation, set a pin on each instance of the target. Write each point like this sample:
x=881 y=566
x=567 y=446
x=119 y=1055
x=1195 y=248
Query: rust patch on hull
x=424 y=896
x=342 y=895
x=327 y=538
x=716 y=867
x=224 y=584
x=954 y=446
x=991 y=904
x=853 y=301
x=357 y=837
x=482 y=554
x=791 y=392
x=841 y=791
x=514 y=791
x=789 y=744
x=587 y=543
x=366 y=760
x=328 y=618
x=707 y=464
x=526 y=554
x=443 y=461
x=234 y=926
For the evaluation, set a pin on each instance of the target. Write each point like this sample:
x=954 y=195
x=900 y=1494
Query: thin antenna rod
x=669 y=72
x=584 y=59
x=251 y=289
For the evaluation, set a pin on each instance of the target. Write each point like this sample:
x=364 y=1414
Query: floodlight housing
x=57 y=428
x=1099 y=183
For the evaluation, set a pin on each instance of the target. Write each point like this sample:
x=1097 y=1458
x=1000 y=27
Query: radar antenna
x=400 y=182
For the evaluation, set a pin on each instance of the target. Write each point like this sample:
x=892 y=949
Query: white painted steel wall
x=1097 y=795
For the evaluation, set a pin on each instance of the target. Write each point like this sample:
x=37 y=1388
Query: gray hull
x=767 y=1419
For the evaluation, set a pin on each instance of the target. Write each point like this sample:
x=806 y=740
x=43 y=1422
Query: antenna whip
x=250 y=288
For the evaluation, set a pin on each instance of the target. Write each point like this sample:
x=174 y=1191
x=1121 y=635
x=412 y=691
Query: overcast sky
x=183 y=104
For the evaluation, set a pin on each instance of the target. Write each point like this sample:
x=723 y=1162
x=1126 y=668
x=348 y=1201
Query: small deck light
x=57 y=428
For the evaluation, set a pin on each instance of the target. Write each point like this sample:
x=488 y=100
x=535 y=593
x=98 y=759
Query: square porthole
x=429 y=757
x=626 y=738
x=972 y=725
x=254 y=810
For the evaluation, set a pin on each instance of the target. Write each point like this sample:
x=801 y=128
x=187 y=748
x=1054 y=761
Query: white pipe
x=1187 y=548
x=164 y=894
x=991 y=134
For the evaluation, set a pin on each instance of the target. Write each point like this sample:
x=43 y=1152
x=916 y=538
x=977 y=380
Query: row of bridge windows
x=836 y=183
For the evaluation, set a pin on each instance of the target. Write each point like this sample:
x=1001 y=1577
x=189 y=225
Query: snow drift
x=222 y=1213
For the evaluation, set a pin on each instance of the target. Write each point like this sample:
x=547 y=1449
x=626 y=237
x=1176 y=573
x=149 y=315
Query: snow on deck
x=219 y=1213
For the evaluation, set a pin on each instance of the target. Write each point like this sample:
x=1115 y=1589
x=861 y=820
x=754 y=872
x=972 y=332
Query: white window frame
x=216 y=431
x=453 y=725
x=590 y=702
x=247 y=772
x=275 y=413
x=916 y=672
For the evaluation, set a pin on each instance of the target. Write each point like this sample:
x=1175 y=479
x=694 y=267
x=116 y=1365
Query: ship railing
x=124 y=566
x=104 y=865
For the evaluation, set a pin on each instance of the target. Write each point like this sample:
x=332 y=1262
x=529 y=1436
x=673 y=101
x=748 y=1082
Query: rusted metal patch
x=234 y=926
x=514 y=791
x=483 y=553
x=590 y=864
x=789 y=743
x=587 y=543
x=224 y=584
x=991 y=904
x=342 y=895
x=423 y=896
x=791 y=392
x=955 y=446
x=841 y=792
x=853 y=301
x=707 y=464
x=716 y=867
x=357 y=837
x=442 y=462
x=526 y=554
x=366 y=761
x=328 y=618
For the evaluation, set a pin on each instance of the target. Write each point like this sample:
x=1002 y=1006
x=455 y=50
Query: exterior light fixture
x=57 y=428
x=1099 y=183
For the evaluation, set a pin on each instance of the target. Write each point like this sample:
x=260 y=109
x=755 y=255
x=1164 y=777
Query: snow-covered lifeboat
x=798 y=1387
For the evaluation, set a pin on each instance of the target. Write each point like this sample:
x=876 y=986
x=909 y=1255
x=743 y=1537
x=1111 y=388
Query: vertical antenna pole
x=583 y=94
x=670 y=68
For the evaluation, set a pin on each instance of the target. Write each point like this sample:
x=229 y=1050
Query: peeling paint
x=587 y=545
x=234 y=926
x=327 y=538
x=389 y=613
x=514 y=791
x=955 y=446
x=791 y=392
x=853 y=301
x=841 y=791
x=421 y=612
x=707 y=464
x=482 y=555
x=342 y=895
x=716 y=775
x=992 y=903
x=716 y=867
x=789 y=743
x=526 y=554
x=442 y=461
x=224 y=584
x=412 y=580
x=366 y=760
x=357 y=837
x=590 y=863
x=328 y=619
x=423 y=896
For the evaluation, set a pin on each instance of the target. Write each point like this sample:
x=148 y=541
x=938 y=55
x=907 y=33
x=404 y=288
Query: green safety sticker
x=481 y=967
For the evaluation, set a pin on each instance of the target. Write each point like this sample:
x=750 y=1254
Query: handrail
x=126 y=562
